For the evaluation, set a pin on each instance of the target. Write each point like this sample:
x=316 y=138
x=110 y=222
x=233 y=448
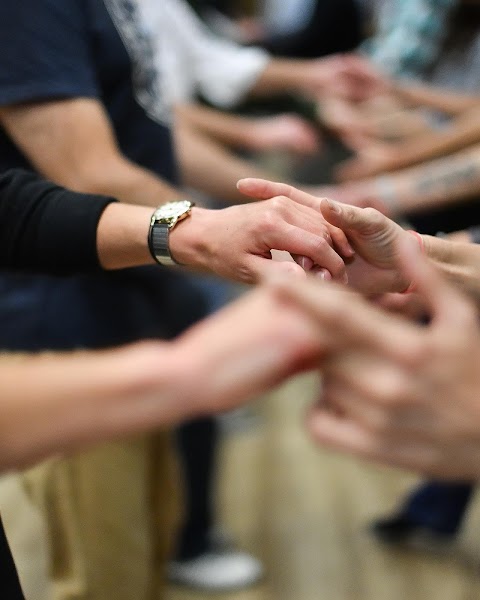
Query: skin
x=279 y=132
x=398 y=393
x=55 y=403
x=432 y=185
x=72 y=143
x=374 y=156
x=346 y=75
x=375 y=238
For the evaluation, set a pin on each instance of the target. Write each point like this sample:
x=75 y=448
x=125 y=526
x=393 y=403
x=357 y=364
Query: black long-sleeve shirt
x=45 y=228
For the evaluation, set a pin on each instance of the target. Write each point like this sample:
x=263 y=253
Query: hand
x=375 y=238
x=398 y=393
x=373 y=269
x=284 y=132
x=364 y=194
x=346 y=75
x=371 y=159
x=242 y=351
x=236 y=242
x=410 y=306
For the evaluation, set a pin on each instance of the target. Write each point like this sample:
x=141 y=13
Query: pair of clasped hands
x=394 y=391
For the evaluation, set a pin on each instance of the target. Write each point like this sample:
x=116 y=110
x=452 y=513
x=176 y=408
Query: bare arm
x=229 y=129
x=210 y=167
x=72 y=143
x=428 y=186
x=278 y=132
x=463 y=132
x=59 y=403
x=440 y=99
x=347 y=75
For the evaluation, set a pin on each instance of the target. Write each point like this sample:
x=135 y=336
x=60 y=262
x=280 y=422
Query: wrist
x=188 y=240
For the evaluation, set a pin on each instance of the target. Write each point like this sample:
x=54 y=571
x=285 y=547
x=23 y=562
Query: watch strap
x=158 y=244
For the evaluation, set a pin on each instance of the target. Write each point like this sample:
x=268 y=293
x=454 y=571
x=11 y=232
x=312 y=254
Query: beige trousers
x=110 y=515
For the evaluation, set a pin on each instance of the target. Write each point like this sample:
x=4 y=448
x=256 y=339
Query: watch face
x=172 y=211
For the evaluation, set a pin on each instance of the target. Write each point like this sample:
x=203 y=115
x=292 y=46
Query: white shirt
x=193 y=60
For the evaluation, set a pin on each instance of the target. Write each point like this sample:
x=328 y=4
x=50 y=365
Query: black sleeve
x=45 y=228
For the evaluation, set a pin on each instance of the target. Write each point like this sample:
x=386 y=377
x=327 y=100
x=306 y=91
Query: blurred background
x=295 y=522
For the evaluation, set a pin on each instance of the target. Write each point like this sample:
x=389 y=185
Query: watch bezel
x=165 y=223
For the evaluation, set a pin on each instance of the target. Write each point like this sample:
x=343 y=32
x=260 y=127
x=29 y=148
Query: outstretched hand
x=373 y=269
x=395 y=392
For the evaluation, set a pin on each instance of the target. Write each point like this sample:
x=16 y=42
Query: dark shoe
x=400 y=531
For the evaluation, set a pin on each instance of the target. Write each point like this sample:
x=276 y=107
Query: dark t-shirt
x=86 y=48
x=57 y=49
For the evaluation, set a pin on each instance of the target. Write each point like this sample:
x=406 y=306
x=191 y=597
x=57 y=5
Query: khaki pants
x=110 y=514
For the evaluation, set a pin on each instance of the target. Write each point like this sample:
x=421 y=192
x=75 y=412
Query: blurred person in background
x=195 y=62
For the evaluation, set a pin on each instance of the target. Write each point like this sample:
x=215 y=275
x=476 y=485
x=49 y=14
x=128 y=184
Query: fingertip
x=321 y=273
x=331 y=205
x=241 y=183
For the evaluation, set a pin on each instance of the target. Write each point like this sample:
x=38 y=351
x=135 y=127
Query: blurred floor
x=304 y=513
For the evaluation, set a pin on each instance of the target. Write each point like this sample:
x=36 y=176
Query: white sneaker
x=216 y=571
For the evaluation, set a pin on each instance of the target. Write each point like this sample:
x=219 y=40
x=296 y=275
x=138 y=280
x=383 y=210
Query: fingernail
x=333 y=206
x=323 y=274
x=306 y=263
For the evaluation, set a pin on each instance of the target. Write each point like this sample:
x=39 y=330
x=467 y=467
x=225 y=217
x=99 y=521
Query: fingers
x=348 y=218
x=448 y=307
x=353 y=321
x=266 y=269
x=261 y=189
x=306 y=263
x=296 y=240
x=336 y=432
x=341 y=243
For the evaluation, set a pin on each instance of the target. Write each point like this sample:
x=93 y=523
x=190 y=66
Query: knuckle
x=279 y=203
x=391 y=391
x=373 y=215
x=268 y=221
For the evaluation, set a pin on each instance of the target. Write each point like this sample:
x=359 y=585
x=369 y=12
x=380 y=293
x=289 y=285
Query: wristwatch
x=163 y=220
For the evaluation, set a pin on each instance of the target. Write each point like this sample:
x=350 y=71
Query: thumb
x=350 y=218
x=446 y=305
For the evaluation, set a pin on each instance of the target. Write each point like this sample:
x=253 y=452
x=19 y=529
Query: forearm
x=463 y=132
x=432 y=185
x=458 y=261
x=72 y=143
x=207 y=166
x=281 y=76
x=59 y=403
x=121 y=179
x=440 y=99
x=229 y=129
